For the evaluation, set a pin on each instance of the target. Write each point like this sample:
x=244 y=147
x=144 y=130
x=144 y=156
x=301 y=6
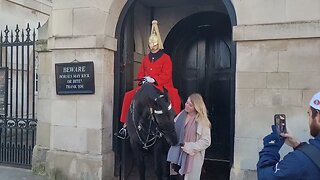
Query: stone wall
x=21 y=12
x=253 y=12
x=277 y=72
x=75 y=131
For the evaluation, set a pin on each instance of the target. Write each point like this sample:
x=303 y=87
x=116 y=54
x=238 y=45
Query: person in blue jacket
x=296 y=164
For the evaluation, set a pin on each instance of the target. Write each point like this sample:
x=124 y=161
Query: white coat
x=197 y=149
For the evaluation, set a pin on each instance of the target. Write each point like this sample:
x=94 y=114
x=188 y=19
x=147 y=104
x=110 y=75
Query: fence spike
x=17 y=33
x=6 y=31
x=28 y=33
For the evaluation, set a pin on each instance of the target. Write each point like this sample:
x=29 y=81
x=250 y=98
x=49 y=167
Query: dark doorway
x=200 y=47
x=124 y=162
x=203 y=56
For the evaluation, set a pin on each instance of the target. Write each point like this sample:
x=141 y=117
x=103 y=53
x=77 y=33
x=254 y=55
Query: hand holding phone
x=280 y=123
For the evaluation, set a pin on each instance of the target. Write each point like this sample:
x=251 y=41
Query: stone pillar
x=42 y=103
x=74 y=134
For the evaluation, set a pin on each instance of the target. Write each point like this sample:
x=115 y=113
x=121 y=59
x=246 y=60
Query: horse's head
x=164 y=115
x=162 y=111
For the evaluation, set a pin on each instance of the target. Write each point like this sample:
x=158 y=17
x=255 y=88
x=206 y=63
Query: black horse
x=150 y=125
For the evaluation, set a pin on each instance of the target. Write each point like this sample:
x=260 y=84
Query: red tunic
x=161 y=71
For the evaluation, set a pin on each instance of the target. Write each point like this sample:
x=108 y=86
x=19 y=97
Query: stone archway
x=123 y=64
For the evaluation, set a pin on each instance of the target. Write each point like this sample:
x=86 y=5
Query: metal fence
x=17 y=96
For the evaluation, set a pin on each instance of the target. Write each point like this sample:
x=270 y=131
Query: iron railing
x=17 y=96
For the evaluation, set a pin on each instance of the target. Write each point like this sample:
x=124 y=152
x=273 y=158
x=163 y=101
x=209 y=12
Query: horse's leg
x=165 y=150
x=140 y=160
x=158 y=159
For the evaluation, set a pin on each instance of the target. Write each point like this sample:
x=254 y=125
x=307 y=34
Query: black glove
x=269 y=155
x=274 y=140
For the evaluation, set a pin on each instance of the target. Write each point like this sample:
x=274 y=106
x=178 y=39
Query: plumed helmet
x=155 y=37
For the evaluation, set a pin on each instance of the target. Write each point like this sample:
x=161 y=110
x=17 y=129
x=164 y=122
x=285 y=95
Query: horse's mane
x=151 y=94
x=150 y=91
x=144 y=99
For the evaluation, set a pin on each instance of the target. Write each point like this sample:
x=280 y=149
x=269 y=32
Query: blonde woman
x=193 y=129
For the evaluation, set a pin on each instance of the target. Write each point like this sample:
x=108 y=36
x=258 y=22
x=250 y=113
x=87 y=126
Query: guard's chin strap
x=161 y=112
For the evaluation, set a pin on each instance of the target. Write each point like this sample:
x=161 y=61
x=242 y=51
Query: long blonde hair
x=200 y=107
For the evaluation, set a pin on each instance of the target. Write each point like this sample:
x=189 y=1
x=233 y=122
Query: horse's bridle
x=160 y=111
x=151 y=138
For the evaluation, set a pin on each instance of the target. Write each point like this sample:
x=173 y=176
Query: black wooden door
x=202 y=63
x=124 y=159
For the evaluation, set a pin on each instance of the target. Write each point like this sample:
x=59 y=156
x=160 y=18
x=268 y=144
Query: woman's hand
x=187 y=149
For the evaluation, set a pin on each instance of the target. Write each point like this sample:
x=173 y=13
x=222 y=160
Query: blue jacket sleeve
x=269 y=166
x=287 y=169
x=269 y=155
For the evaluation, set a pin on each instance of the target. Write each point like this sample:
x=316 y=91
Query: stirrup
x=122 y=134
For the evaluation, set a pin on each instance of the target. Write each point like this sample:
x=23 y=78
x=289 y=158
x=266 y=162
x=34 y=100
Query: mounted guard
x=156 y=68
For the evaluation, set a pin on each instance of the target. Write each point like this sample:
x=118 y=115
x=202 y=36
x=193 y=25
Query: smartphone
x=280 y=123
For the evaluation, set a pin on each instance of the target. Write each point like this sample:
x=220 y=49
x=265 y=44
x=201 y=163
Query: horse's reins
x=157 y=134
